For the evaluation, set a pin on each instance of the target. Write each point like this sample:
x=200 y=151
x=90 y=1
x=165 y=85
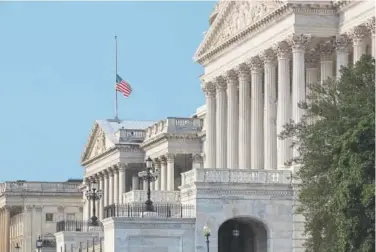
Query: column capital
x=121 y=166
x=157 y=161
x=282 y=50
x=231 y=77
x=269 y=56
x=208 y=88
x=326 y=49
x=221 y=84
x=358 y=33
x=105 y=173
x=371 y=25
x=196 y=158
x=163 y=160
x=243 y=71
x=256 y=64
x=342 y=43
x=170 y=157
x=299 y=41
x=312 y=58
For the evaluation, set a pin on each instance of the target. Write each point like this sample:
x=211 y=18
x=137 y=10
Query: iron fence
x=94 y=245
x=138 y=210
x=76 y=225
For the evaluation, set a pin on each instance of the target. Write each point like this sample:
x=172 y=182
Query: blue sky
x=57 y=75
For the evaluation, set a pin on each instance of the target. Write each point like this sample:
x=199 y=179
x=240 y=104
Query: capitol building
x=224 y=183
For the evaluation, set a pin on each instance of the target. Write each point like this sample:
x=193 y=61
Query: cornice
x=272 y=17
x=99 y=156
x=89 y=143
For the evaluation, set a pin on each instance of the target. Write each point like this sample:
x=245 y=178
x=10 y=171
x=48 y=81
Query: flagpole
x=116 y=93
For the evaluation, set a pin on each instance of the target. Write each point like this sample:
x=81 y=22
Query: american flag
x=123 y=86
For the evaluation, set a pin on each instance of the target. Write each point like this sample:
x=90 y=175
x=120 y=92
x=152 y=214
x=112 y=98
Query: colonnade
x=112 y=182
x=247 y=106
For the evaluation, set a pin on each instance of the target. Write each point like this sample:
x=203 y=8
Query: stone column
x=283 y=105
x=106 y=188
x=371 y=28
x=170 y=172
x=244 y=117
x=111 y=187
x=122 y=180
x=116 y=185
x=135 y=183
x=299 y=44
x=163 y=174
x=209 y=90
x=157 y=184
x=221 y=120
x=270 y=116
x=88 y=202
x=312 y=71
x=84 y=187
x=342 y=52
x=101 y=187
x=326 y=60
x=96 y=178
x=257 y=115
x=232 y=120
x=359 y=37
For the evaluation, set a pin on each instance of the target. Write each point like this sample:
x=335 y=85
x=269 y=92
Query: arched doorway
x=242 y=235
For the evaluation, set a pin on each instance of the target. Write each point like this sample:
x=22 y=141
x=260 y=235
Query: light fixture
x=149 y=163
x=39 y=243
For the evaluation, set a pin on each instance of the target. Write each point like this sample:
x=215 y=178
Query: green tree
x=336 y=145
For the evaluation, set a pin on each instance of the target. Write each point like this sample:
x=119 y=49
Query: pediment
x=233 y=18
x=97 y=143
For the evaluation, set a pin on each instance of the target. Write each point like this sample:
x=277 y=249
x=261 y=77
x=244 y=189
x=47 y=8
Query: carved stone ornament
x=221 y=84
x=312 y=58
x=170 y=157
x=371 y=25
x=268 y=56
x=299 y=41
x=243 y=73
x=359 y=33
x=256 y=64
x=209 y=89
x=100 y=145
x=241 y=15
x=342 y=43
x=283 y=50
x=232 y=78
x=326 y=50
x=197 y=158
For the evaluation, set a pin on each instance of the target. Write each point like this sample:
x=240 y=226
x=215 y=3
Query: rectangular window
x=49 y=217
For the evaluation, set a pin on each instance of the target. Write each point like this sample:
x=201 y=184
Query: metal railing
x=138 y=210
x=76 y=226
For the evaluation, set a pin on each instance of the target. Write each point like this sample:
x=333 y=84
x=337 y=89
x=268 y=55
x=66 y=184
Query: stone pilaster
x=106 y=188
x=257 y=114
x=299 y=44
x=283 y=106
x=221 y=137
x=232 y=120
x=101 y=188
x=157 y=166
x=342 y=51
x=326 y=60
x=163 y=176
x=270 y=116
x=244 y=116
x=122 y=180
x=359 y=37
x=371 y=27
x=170 y=172
x=111 y=187
x=209 y=90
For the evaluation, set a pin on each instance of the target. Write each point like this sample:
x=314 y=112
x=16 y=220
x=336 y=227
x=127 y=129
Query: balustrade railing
x=236 y=176
x=138 y=210
x=156 y=196
x=174 y=125
x=23 y=186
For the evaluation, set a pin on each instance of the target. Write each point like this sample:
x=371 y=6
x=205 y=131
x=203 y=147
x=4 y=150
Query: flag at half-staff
x=122 y=86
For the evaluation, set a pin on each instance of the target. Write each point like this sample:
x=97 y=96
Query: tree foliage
x=336 y=145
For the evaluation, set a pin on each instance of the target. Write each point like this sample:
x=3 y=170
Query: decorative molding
x=282 y=50
x=256 y=64
x=221 y=84
x=170 y=157
x=371 y=26
x=127 y=225
x=269 y=56
x=312 y=59
x=209 y=89
x=243 y=72
x=359 y=33
x=326 y=50
x=231 y=78
x=299 y=41
x=342 y=43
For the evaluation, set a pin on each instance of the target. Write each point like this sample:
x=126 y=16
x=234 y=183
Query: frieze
x=129 y=148
x=169 y=136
